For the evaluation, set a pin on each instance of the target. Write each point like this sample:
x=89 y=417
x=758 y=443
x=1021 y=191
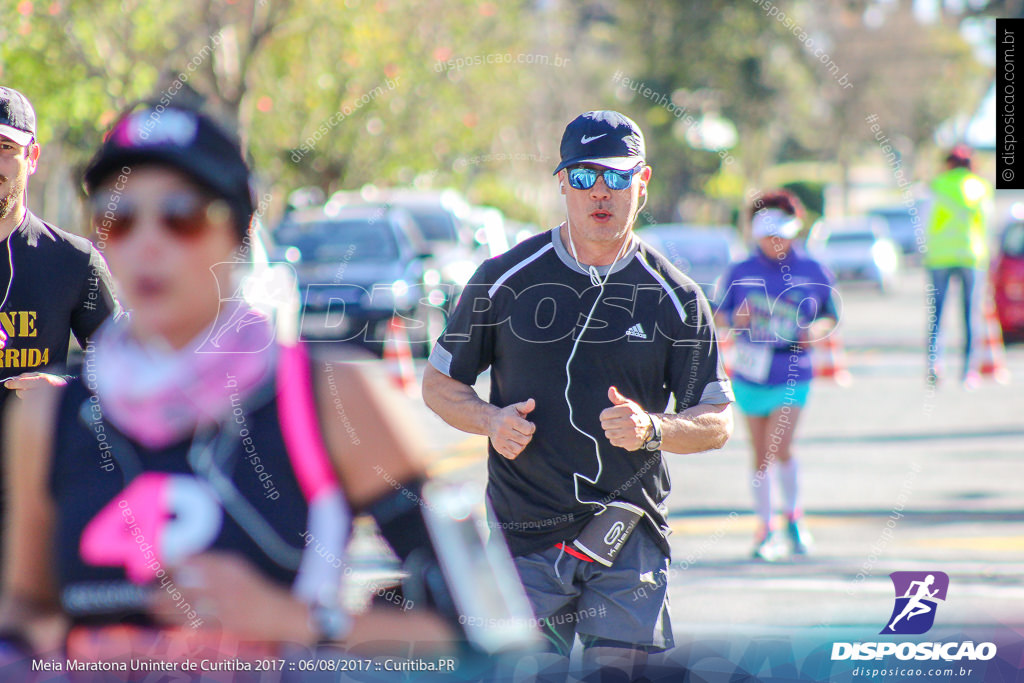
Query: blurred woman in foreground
x=195 y=488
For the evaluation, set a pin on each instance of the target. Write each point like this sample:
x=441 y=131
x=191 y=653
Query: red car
x=1008 y=282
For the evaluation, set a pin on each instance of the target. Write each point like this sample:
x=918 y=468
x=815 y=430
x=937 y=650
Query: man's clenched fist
x=625 y=424
x=510 y=431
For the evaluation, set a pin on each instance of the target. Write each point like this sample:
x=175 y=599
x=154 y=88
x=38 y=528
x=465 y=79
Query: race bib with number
x=160 y=519
x=754 y=360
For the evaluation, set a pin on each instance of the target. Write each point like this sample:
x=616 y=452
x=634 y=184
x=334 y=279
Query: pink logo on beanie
x=149 y=128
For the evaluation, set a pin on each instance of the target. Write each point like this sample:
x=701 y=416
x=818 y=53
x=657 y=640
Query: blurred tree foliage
x=812 y=195
x=796 y=78
x=400 y=90
x=474 y=94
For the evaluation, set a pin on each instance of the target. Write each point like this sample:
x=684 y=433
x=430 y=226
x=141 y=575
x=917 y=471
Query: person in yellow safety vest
x=957 y=246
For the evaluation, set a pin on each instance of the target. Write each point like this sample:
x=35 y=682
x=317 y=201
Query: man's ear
x=645 y=177
x=33 y=157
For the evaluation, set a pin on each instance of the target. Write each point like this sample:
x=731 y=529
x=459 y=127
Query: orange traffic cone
x=398 y=357
x=829 y=359
x=990 y=354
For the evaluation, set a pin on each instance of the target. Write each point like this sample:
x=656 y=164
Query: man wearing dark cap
x=957 y=248
x=52 y=283
x=588 y=334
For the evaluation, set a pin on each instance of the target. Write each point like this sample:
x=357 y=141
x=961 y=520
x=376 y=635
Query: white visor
x=775 y=223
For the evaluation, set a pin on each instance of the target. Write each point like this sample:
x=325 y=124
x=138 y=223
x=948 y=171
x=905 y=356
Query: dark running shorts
x=627 y=602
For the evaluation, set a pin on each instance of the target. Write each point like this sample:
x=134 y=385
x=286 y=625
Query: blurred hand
x=510 y=431
x=741 y=320
x=227 y=592
x=27 y=381
x=625 y=424
x=816 y=331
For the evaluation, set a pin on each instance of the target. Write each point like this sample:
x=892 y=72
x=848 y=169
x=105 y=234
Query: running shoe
x=767 y=547
x=799 y=538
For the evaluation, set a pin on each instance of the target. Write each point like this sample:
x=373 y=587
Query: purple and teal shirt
x=783 y=297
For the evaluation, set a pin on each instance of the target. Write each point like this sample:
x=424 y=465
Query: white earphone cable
x=596 y=280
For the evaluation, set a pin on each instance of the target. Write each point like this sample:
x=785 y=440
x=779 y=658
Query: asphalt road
x=896 y=476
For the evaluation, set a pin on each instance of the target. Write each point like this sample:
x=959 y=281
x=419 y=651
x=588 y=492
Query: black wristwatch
x=653 y=441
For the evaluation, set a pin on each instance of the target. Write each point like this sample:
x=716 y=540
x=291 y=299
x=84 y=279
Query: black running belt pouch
x=605 y=535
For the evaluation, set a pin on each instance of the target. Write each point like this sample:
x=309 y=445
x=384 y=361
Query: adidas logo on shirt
x=636 y=331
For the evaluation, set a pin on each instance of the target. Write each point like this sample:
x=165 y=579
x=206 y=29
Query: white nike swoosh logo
x=584 y=140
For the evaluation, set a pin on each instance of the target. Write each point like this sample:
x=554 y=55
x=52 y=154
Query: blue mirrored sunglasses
x=584 y=178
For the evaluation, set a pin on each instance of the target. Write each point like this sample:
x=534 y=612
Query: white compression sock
x=788 y=473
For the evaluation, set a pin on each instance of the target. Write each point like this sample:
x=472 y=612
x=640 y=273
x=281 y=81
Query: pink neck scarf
x=158 y=396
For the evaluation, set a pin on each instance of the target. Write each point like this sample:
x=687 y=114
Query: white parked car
x=857 y=249
x=704 y=252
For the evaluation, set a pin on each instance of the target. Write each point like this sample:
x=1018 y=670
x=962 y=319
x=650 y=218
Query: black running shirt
x=60 y=285
x=52 y=284
x=651 y=335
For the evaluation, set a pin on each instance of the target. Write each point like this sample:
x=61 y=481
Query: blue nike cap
x=606 y=138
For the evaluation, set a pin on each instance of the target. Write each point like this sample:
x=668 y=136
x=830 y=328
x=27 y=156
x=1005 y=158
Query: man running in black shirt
x=588 y=333
x=52 y=283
